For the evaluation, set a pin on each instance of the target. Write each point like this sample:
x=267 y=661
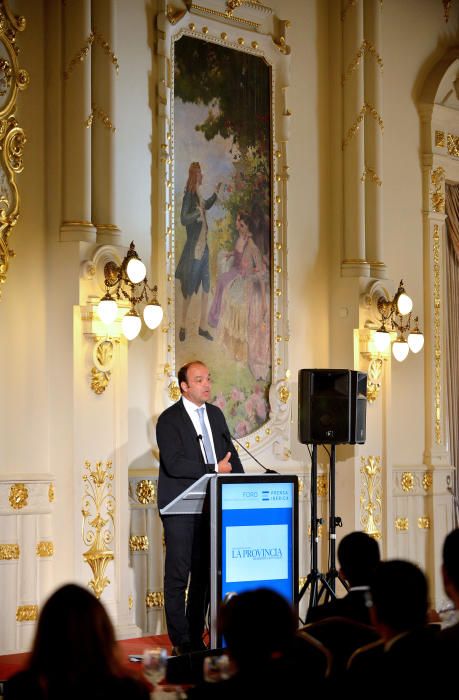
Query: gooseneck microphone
x=228 y=440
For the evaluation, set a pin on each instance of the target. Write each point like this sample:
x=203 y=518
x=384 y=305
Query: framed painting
x=224 y=228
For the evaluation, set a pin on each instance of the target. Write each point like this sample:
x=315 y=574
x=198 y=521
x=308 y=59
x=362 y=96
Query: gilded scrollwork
x=427 y=481
x=322 y=485
x=437 y=195
x=154 y=599
x=9 y=552
x=12 y=136
x=401 y=524
x=407 y=481
x=146 y=491
x=424 y=522
x=374 y=376
x=98 y=525
x=45 y=548
x=139 y=543
x=371 y=496
x=19 y=493
x=103 y=356
x=437 y=331
x=27 y=613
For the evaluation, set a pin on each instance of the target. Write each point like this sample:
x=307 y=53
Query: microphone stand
x=268 y=471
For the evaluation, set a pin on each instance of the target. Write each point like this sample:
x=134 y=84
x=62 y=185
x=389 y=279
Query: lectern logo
x=257 y=553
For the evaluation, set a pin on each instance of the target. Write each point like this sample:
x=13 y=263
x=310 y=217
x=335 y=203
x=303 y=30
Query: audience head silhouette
x=358 y=555
x=450 y=566
x=256 y=625
x=74 y=653
x=400 y=597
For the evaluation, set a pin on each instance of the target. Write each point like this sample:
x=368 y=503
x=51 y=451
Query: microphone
x=268 y=471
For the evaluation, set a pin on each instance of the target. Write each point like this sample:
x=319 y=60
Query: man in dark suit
x=449 y=636
x=193 y=440
x=358 y=555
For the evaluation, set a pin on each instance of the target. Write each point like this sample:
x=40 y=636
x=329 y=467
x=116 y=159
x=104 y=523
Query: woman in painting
x=240 y=309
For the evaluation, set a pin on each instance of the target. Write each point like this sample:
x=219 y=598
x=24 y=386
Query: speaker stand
x=314 y=576
x=329 y=590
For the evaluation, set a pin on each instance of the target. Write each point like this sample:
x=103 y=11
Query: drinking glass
x=155 y=664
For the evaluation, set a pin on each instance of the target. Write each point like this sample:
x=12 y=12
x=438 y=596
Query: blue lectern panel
x=254 y=535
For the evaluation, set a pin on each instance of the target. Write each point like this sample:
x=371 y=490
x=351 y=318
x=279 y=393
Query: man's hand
x=224 y=466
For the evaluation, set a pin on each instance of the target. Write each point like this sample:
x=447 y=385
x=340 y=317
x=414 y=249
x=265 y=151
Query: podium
x=253 y=534
x=190 y=501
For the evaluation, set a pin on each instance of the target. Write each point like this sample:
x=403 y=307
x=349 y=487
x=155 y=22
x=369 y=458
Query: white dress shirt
x=192 y=411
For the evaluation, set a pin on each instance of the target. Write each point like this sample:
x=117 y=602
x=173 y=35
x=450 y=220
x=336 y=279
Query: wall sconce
x=128 y=282
x=397 y=313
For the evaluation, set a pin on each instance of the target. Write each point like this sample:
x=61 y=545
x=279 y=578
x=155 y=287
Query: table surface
x=10 y=663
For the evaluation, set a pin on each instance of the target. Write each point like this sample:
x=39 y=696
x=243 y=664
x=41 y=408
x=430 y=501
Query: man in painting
x=193 y=440
x=193 y=266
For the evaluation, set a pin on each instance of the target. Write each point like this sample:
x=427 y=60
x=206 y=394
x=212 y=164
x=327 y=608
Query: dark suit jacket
x=352 y=605
x=180 y=457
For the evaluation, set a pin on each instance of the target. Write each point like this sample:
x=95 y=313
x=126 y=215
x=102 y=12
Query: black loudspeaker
x=358 y=408
x=324 y=415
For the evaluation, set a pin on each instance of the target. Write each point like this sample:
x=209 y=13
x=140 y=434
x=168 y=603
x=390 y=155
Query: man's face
x=198 y=385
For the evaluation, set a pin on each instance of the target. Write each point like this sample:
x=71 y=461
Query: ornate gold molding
x=440 y=139
x=407 y=481
x=371 y=496
x=45 y=548
x=12 y=136
x=437 y=195
x=103 y=357
x=146 y=491
x=371 y=174
x=424 y=522
x=366 y=109
x=427 y=481
x=102 y=116
x=365 y=47
x=19 y=493
x=437 y=331
x=138 y=543
x=446 y=8
x=452 y=144
x=283 y=393
x=375 y=368
x=98 y=501
x=51 y=493
x=81 y=55
x=154 y=599
x=401 y=524
x=9 y=551
x=27 y=613
x=322 y=485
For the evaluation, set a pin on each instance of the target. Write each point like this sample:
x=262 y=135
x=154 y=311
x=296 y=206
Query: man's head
x=400 y=595
x=195 y=382
x=450 y=566
x=358 y=554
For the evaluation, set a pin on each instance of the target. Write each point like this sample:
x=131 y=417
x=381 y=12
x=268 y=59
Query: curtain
x=452 y=327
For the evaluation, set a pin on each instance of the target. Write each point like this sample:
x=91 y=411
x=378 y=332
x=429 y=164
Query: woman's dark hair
x=74 y=642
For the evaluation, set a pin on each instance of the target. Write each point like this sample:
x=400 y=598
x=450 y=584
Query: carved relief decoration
x=12 y=136
x=371 y=496
x=98 y=526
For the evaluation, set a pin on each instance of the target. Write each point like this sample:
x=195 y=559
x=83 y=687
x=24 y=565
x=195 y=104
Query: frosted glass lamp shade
x=382 y=340
x=136 y=270
x=416 y=341
x=404 y=304
x=131 y=324
x=400 y=350
x=153 y=315
x=107 y=309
